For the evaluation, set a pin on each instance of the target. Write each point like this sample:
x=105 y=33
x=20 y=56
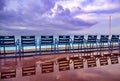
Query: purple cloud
x=65 y=16
x=37 y=16
x=2 y=4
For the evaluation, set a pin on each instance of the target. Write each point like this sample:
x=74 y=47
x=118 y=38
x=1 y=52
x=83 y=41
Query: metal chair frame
x=28 y=41
x=47 y=41
x=8 y=41
x=114 y=40
x=64 y=40
x=91 y=42
x=80 y=41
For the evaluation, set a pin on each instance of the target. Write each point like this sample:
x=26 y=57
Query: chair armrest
x=71 y=41
x=119 y=40
x=109 y=40
x=39 y=41
x=56 y=41
x=85 y=40
x=17 y=42
x=36 y=42
x=98 y=40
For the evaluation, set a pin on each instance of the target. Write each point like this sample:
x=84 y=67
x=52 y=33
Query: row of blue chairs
x=78 y=42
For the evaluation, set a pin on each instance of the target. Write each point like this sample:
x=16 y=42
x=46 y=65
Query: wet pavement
x=61 y=68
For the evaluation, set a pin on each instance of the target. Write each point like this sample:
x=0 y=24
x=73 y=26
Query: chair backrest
x=115 y=38
x=78 y=39
x=104 y=38
x=47 y=40
x=92 y=39
x=27 y=40
x=64 y=39
x=7 y=41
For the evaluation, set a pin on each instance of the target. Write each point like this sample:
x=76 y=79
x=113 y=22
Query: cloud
x=2 y=4
x=102 y=5
x=93 y=6
x=52 y=16
x=65 y=16
x=37 y=15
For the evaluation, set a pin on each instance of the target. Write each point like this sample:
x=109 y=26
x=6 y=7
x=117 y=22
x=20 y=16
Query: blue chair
x=114 y=42
x=64 y=40
x=28 y=41
x=8 y=41
x=104 y=43
x=91 y=43
x=46 y=41
x=78 y=42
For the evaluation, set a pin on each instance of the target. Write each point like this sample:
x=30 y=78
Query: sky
x=55 y=17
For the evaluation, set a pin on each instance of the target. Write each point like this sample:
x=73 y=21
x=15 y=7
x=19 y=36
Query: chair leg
x=0 y=50
x=4 y=51
x=51 y=48
x=40 y=49
x=119 y=48
x=111 y=47
x=54 y=48
x=86 y=47
x=22 y=50
x=36 y=50
x=16 y=51
x=69 y=48
x=57 y=48
x=19 y=47
x=78 y=47
x=100 y=47
x=81 y=47
x=97 y=48
x=73 y=47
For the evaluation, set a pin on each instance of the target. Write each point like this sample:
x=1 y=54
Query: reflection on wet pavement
x=47 y=67
x=61 y=68
x=77 y=62
x=27 y=71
